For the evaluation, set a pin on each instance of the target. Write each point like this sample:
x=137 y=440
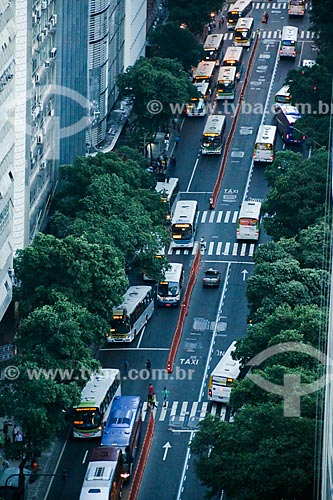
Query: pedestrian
x=209 y=29
x=125 y=368
x=16 y=429
x=220 y=22
x=153 y=400
x=177 y=139
x=202 y=244
x=18 y=437
x=166 y=144
x=148 y=366
x=165 y=396
x=174 y=123
x=150 y=394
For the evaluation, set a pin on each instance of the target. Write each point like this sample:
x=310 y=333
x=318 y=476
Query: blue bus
x=123 y=429
x=286 y=116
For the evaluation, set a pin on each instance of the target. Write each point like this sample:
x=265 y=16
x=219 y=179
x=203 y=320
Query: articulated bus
x=296 y=7
x=198 y=105
x=286 y=116
x=212 y=137
x=288 y=44
x=170 y=288
x=123 y=429
x=223 y=376
x=169 y=193
x=132 y=315
x=103 y=479
x=226 y=83
x=264 y=148
x=212 y=47
x=95 y=402
x=183 y=224
x=237 y=10
x=243 y=32
x=204 y=72
x=233 y=57
x=248 y=223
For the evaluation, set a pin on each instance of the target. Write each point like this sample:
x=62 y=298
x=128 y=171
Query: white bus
x=243 y=32
x=283 y=95
x=233 y=57
x=264 y=148
x=237 y=10
x=169 y=192
x=183 y=224
x=296 y=7
x=288 y=44
x=90 y=415
x=170 y=288
x=204 y=72
x=248 y=223
x=132 y=315
x=212 y=137
x=223 y=376
x=212 y=47
x=198 y=105
x=226 y=83
x=103 y=479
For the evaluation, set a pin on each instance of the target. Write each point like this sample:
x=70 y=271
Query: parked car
x=212 y=277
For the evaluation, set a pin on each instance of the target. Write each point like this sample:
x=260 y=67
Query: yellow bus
x=226 y=83
x=212 y=138
x=264 y=148
x=237 y=10
x=212 y=47
x=243 y=32
x=233 y=57
x=204 y=72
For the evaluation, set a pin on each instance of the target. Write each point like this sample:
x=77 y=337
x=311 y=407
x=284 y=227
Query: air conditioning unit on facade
x=44 y=4
x=37 y=77
x=53 y=53
x=39 y=139
x=43 y=165
x=47 y=64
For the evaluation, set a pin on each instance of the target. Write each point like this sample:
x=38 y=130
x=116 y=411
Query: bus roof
x=174 y=273
x=185 y=211
x=290 y=112
x=227 y=73
x=214 y=125
x=227 y=366
x=202 y=87
x=244 y=23
x=100 y=472
x=165 y=189
x=131 y=298
x=204 y=70
x=250 y=209
x=240 y=5
x=289 y=33
x=96 y=388
x=120 y=422
x=213 y=41
x=266 y=134
x=232 y=53
x=283 y=94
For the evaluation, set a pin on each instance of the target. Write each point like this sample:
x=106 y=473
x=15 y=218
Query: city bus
x=288 y=44
x=248 y=223
x=169 y=289
x=198 y=105
x=204 y=72
x=226 y=83
x=183 y=224
x=212 y=137
x=296 y=7
x=243 y=32
x=132 y=315
x=222 y=377
x=103 y=479
x=286 y=116
x=123 y=429
x=283 y=95
x=237 y=10
x=264 y=148
x=95 y=402
x=233 y=57
x=212 y=48
x=169 y=192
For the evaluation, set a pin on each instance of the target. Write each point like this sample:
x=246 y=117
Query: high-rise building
x=135 y=31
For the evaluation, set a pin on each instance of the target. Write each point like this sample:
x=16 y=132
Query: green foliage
x=194 y=14
x=173 y=42
x=322 y=21
x=151 y=80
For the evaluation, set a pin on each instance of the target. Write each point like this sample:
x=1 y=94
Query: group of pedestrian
x=152 y=402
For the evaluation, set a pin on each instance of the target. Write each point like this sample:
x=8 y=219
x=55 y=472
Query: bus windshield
x=168 y=288
x=289 y=43
x=182 y=231
x=248 y=222
x=87 y=418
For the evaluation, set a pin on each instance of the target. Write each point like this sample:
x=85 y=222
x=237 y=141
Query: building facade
x=135 y=31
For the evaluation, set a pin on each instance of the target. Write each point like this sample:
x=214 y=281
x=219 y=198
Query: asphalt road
x=216 y=316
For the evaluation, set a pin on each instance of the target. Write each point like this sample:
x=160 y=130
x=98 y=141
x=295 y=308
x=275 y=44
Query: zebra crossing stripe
x=194 y=409
x=183 y=411
x=219 y=247
x=251 y=250
x=163 y=411
x=234 y=249
x=302 y=34
x=195 y=248
x=174 y=409
x=223 y=412
x=227 y=247
x=234 y=217
x=227 y=216
x=170 y=249
x=204 y=216
x=213 y=410
x=144 y=411
x=203 y=410
x=211 y=248
x=243 y=249
x=219 y=216
x=269 y=35
x=178 y=251
x=211 y=217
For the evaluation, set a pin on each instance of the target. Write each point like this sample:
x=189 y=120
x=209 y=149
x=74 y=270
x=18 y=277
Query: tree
x=173 y=42
x=159 y=89
x=322 y=21
x=261 y=455
x=194 y=14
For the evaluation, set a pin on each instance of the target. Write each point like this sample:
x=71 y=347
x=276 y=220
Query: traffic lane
x=188 y=148
x=74 y=461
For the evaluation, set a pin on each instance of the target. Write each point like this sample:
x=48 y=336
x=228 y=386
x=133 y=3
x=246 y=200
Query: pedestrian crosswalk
x=217 y=216
x=184 y=411
x=270 y=5
x=273 y=35
x=224 y=248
